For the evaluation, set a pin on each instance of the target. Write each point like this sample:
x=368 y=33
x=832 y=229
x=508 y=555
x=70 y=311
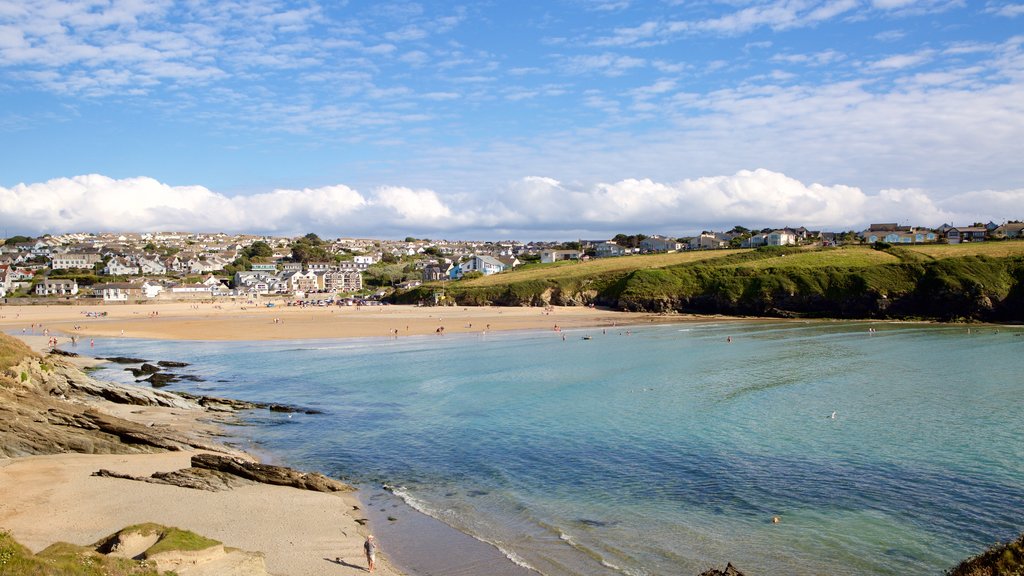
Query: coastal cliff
x=888 y=283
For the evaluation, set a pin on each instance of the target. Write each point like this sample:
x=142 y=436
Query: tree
x=17 y=240
x=313 y=239
x=739 y=230
x=258 y=249
x=149 y=247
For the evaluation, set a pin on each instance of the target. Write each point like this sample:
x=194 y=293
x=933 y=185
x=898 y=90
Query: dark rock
x=125 y=360
x=59 y=352
x=729 y=571
x=171 y=364
x=159 y=380
x=191 y=378
x=267 y=474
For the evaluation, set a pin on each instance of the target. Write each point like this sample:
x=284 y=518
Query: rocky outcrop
x=730 y=570
x=267 y=474
x=215 y=473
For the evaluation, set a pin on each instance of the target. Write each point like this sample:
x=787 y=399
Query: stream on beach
x=881 y=448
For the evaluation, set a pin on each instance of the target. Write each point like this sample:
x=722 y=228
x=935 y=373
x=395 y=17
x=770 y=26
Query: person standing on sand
x=370 y=546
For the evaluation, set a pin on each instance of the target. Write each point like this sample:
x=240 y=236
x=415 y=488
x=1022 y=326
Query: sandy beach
x=237 y=321
x=299 y=532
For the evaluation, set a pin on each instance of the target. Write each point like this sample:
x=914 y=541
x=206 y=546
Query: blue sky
x=528 y=120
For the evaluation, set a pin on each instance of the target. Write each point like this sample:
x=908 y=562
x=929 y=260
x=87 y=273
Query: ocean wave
x=423 y=508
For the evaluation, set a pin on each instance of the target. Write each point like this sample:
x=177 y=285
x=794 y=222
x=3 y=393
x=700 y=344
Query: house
x=781 y=238
x=363 y=261
x=256 y=267
x=755 y=241
x=893 y=233
x=301 y=281
x=609 y=249
x=436 y=271
x=117 y=291
x=57 y=288
x=74 y=260
x=486 y=265
x=1009 y=230
x=708 y=240
x=966 y=234
x=549 y=256
x=152 y=266
x=658 y=243
x=120 y=267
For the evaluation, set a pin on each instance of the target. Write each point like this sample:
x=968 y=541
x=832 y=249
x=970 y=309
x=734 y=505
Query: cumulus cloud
x=534 y=207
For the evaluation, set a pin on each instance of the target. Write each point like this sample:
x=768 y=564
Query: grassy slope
x=929 y=281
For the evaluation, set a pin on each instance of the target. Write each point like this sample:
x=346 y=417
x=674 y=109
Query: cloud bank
x=530 y=208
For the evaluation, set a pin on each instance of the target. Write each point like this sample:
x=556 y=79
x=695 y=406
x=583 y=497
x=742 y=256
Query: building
x=658 y=243
x=609 y=249
x=966 y=234
x=550 y=256
x=74 y=260
x=57 y=288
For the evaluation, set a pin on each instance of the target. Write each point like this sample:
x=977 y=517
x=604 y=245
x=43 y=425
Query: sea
x=785 y=447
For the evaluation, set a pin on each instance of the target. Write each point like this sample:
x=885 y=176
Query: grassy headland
x=981 y=281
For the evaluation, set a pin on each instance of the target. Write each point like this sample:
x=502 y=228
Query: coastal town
x=137 y=267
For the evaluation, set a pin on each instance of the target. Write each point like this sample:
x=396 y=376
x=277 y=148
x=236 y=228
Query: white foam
x=421 y=507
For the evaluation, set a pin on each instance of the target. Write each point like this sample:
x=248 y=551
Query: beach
x=243 y=321
x=298 y=532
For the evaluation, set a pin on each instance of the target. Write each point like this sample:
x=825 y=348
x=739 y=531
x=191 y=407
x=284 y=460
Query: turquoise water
x=665 y=451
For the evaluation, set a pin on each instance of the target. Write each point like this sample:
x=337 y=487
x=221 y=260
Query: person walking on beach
x=370 y=546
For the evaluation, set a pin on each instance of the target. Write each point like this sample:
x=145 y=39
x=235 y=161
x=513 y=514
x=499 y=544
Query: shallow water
x=664 y=451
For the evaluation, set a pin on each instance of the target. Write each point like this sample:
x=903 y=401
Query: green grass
x=1001 y=249
x=843 y=256
x=63 y=559
x=570 y=269
x=12 y=351
x=170 y=539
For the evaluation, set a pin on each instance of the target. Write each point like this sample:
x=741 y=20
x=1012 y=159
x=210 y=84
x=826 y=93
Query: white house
x=486 y=265
x=57 y=288
x=549 y=256
x=120 y=267
x=658 y=243
x=781 y=238
x=152 y=266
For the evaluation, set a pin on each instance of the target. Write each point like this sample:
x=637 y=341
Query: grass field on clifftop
x=569 y=269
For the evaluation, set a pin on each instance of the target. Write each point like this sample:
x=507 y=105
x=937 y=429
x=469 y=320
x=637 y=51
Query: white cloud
x=535 y=206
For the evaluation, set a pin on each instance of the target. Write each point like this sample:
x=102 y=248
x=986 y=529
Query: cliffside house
x=609 y=249
x=896 y=234
x=549 y=256
x=966 y=234
x=436 y=271
x=657 y=243
x=1009 y=230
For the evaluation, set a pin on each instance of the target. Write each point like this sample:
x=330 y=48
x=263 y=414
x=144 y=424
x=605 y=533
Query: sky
x=529 y=120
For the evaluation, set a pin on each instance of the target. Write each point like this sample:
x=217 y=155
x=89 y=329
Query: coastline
x=59 y=499
x=63 y=481
x=241 y=321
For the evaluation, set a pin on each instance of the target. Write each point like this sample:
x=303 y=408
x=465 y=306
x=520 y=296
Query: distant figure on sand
x=370 y=546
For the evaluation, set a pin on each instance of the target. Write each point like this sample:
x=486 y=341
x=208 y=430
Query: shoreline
x=235 y=321
x=409 y=547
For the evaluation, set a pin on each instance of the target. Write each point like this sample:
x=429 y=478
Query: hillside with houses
x=134 y=267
